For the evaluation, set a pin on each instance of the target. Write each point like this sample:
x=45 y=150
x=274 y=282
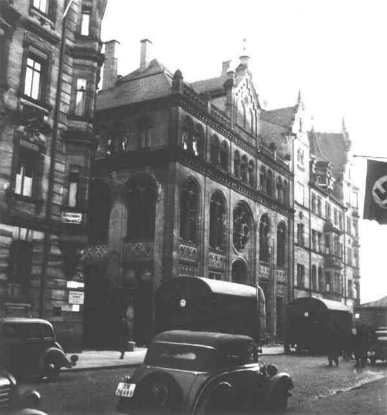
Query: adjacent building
x=49 y=69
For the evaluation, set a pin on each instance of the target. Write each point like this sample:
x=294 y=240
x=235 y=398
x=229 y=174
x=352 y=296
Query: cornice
x=85 y=52
x=45 y=33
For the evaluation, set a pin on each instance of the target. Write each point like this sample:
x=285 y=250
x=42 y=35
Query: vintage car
x=28 y=347
x=199 y=373
x=378 y=347
x=12 y=401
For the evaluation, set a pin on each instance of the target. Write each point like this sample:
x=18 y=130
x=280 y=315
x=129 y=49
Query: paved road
x=316 y=386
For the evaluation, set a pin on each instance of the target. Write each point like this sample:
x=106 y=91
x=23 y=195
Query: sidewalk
x=107 y=359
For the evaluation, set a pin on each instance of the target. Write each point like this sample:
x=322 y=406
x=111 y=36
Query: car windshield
x=181 y=356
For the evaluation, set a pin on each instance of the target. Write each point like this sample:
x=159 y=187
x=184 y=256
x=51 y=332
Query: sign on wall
x=76 y=297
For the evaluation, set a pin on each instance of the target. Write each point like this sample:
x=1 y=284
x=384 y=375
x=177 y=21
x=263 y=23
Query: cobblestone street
x=317 y=387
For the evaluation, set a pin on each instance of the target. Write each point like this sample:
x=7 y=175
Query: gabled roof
x=283 y=117
x=381 y=303
x=153 y=82
x=330 y=147
x=209 y=85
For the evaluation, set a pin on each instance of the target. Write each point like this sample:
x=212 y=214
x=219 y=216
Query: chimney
x=146 y=53
x=110 y=65
x=225 y=67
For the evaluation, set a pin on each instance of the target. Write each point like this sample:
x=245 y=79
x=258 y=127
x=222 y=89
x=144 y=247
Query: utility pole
x=53 y=151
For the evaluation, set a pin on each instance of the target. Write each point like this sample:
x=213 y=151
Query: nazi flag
x=375 y=201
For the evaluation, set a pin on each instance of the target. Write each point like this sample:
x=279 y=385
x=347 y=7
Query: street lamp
x=53 y=151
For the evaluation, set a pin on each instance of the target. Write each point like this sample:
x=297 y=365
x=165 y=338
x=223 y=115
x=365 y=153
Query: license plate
x=125 y=390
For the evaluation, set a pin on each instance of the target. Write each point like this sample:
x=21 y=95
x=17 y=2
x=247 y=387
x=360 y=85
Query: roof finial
x=299 y=98
x=244 y=57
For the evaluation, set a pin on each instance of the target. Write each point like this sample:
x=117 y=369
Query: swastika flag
x=375 y=200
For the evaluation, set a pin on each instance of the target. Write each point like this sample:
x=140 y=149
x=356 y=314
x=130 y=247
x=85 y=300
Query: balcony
x=332 y=261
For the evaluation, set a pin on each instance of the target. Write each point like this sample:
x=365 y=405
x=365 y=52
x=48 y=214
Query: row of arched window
x=141 y=219
x=242 y=224
x=243 y=167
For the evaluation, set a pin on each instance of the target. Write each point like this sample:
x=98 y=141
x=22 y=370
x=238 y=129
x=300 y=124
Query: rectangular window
x=24 y=176
x=73 y=189
x=349 y=226
x=300 y=234
x=335 y=217
x=21 y=262
x=41 y=5
x=300 y=275
x=328 y=211
x=299 y=193
x=85 y=23
x=319 y=205
x=33 y=78
x=80 y=97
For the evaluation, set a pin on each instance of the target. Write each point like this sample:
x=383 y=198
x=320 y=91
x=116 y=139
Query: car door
x=233 y=392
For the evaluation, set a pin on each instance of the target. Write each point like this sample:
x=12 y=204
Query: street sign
x=76 y=297
x=72 y=217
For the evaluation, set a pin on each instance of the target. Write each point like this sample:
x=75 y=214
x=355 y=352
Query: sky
x=334 y=51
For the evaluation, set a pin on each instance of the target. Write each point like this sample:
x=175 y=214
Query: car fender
x=275 y=381
x=57 y=355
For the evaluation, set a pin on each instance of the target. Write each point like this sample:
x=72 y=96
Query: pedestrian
x=124 y=335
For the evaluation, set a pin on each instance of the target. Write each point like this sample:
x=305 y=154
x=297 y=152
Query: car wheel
x=279 y=401
x=52 y=370
x=159 y=391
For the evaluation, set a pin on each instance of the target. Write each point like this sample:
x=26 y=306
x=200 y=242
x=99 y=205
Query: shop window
x=217 y=221
x=80 y=97
x=189 y=211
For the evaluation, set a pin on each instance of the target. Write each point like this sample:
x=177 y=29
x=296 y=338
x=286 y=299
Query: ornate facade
x=326 y=208
x=43 y=203
x=183 y=184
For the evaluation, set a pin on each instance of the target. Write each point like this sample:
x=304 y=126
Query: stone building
x=326 y=208
x=46 y=117
x=184 y=184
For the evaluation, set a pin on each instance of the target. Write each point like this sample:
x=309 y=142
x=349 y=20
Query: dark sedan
x=201 y=373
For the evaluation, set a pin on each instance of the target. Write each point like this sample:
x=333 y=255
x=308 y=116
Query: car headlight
x=271 y=370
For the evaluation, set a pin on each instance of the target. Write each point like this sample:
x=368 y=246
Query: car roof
x=203 y=338
x=24 y=320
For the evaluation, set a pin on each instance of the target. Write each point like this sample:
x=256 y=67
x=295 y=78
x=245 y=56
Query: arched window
x=224 y=156
x=280 y=193
x=237 y=164
x=186 y=135
x=141 y=209
x=251 y=173
x=264 y=242
x=321 y=284
x=269 y=183
x=314 y=278
x=252 y=121
x=281 y=245
x=198 y=141
x=217 y=221
x=241 y=226
x=189 y=211
x=262 y=178
x=285 y=186
x=244 y=168
x=99 y=212
x=214 y=150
